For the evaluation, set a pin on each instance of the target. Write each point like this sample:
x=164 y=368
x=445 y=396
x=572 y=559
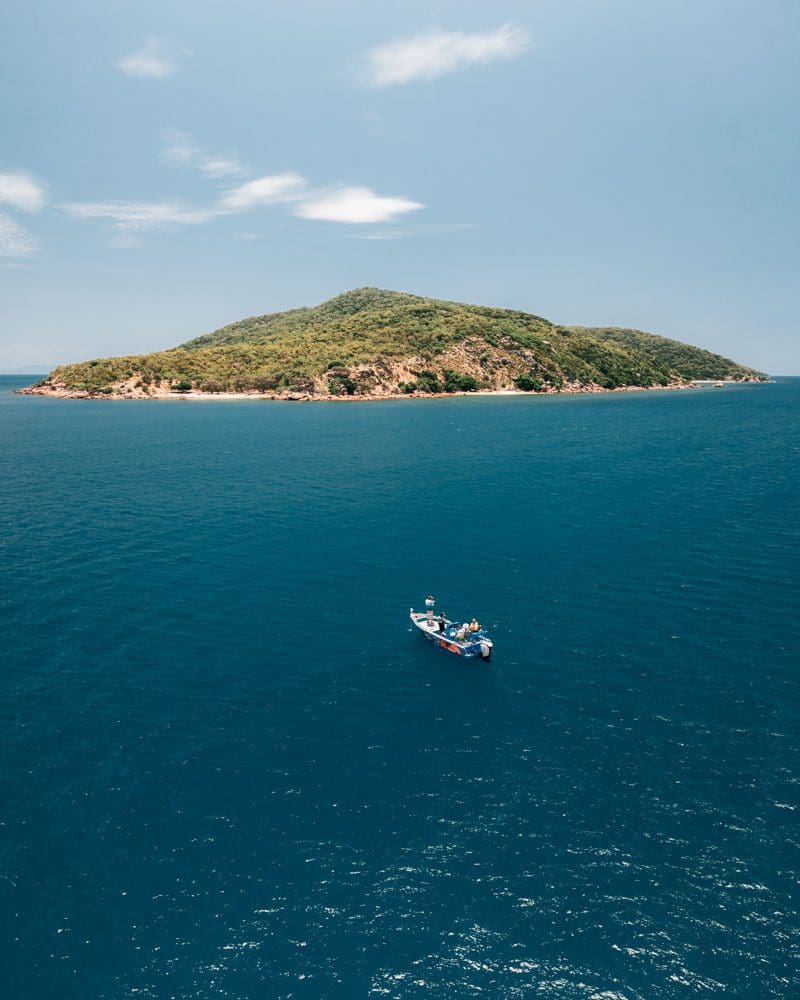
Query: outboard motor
x=485 y=649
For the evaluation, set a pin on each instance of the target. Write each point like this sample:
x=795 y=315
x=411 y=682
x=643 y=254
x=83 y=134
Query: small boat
x=464 y=640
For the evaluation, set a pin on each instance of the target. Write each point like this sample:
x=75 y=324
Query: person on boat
x=462 y=632
x=474 y=626
x=441 y=622
x=429 y=603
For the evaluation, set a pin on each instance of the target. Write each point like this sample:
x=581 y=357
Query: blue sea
x=230 y=769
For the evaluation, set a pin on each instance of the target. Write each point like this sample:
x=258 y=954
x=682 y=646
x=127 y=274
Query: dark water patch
x=230 y=769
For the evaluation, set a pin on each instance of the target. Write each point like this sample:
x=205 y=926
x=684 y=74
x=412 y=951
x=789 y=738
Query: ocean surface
x=230 y=769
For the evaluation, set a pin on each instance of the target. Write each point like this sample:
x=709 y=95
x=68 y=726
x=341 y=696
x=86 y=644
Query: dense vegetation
x=374 y=341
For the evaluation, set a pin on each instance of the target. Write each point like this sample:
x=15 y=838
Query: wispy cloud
x=433 y=53
x=137 y=215
x=348 y=205
x=133 y=218
x=183 y=151
x=151 y=62
x=271 y=190
x=15 y=241
x=355 y=205
x=22 y=192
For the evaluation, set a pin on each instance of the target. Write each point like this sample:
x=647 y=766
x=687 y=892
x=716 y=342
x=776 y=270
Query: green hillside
x=374 y=342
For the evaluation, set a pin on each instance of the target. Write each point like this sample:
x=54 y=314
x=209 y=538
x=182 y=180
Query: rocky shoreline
x=61 y=391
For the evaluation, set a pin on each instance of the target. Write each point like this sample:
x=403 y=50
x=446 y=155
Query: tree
x=341 y=385
x=456 y=382
x=428 y=381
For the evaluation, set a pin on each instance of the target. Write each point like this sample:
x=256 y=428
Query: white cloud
x=21 y=192
x=14 y=240
x=150 y=62
x=433 y=53
x=355 y=205
x=347 y=204
x=184 y=152
x=220 y=166
x=269 y=190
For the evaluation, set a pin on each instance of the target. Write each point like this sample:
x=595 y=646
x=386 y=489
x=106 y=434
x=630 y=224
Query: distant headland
x=373 y=344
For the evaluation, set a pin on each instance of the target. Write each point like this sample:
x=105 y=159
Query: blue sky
x=169 y=167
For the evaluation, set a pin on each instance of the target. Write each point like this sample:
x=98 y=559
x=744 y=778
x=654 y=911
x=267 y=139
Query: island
x=372 y=344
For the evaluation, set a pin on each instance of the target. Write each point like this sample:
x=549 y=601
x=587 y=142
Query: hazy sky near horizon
x=168 y=167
